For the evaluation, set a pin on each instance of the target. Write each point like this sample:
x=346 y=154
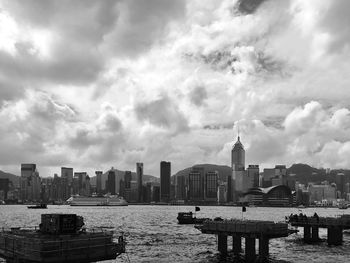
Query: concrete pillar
x=250 y=249
x=237 y=244
x=222 y=243
x=263 y=249
x=315 y=236
x=334 y=235
x=307 y=233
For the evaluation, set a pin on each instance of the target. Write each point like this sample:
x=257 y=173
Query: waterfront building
x=111 y=182
x=279 y=195
x=67 y=173
x=98 y=182
x=165 y=172
x=268 y=174
x=222 y=193
x=127 y=179
x=156 y=193
x=211 y=186
x=195 y=191
x=322 y=193
x=253 y=173
x=229 y=188
x=180 y=188
x=238 y=156
x=139 y=175
x=4 y=187
x=30 y=183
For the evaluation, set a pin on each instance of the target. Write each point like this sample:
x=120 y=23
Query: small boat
x=38 y=206
x=188 y=218
x=343 y=206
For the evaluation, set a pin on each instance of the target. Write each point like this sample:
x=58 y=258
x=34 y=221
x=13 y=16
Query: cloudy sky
x=94 y=84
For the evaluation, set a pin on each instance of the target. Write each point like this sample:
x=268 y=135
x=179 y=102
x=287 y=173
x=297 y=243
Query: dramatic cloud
x=94 y=84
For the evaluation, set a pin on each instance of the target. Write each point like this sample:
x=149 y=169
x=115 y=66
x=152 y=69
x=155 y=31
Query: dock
x=312 y=224
x=250 y=230
x=59 y=239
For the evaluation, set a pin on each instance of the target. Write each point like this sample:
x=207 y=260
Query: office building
x=98 y=182
x=30 y=183
x=139 y=175
x=195 y=191
x=253 y=176
x=68 y=174
x=211 y=186
x=180 y=188
x=127 y=179
x=111 y=182
x=238 y=156
x=165 y=171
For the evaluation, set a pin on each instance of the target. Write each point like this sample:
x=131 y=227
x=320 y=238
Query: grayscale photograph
x=170 y=131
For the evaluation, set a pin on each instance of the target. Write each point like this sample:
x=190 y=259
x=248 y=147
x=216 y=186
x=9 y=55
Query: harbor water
x=153 y=235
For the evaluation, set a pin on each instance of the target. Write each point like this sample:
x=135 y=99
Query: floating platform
x=59 y=239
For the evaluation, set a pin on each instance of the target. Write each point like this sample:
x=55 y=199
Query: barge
x=59 y=238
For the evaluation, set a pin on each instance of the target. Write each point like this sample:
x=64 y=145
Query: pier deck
x=311 y=225
x=248 y=229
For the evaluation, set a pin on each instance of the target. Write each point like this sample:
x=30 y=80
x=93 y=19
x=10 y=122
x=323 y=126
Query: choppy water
x=153 y=234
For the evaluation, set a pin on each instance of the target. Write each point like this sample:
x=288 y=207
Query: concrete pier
x=250 y=253
x=307 y=233
x=222 y=243
x=314 y=236
x=311 y=225
x=263 y=249
x=248 y=229
x=237 y=244
x=334 y=235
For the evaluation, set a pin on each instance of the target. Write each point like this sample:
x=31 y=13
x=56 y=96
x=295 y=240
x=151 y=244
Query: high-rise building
x=253 y=176
x=4 y=186
x=68 y=174
x=228 y=189
x=127 y=179
x=79 y=183
x=111 y=182
x=180 y=188
x=195 y=191
x=238 y=156
x=30 y=183
x=165 y=170
x=211 y=186
x=139 y=175
x=98 y=182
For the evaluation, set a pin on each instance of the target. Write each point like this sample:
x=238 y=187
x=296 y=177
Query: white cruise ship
x=108 y=200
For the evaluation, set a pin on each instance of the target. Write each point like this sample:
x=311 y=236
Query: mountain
x=223 y=170
x=120 y=174
x=13 y=178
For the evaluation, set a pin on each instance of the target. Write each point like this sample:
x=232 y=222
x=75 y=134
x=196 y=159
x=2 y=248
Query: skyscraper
x=98 y=182
x=211 y=186
x=111 y=182
x=165 y=170
x=180 y=193
x=68 y=174
x=127 y=179
x=30 y=183
x=238 y=156
x=139 y=174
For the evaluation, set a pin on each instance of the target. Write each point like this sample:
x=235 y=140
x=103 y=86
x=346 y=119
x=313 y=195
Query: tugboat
x=60 y=238
x=38 y=206
x=188 y=218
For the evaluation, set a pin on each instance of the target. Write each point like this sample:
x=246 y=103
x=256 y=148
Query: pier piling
x=334 y=235
x=307 y=233
x=314 y=235
x=250 y=249
x=237 y=244
x=222 y=243
x=263 y=248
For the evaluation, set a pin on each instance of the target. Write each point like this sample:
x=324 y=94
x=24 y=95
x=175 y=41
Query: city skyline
x=92 y=85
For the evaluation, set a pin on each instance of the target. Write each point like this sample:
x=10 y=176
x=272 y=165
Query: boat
x=188 y=218
x=343 y=206
x=107 y=200
x=59 y=238
x=38 y=206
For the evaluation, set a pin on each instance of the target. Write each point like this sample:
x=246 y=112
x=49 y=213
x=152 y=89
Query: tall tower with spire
x=238 y=156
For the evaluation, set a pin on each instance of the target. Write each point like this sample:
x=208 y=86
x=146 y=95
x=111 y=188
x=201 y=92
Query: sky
x=100 y=84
